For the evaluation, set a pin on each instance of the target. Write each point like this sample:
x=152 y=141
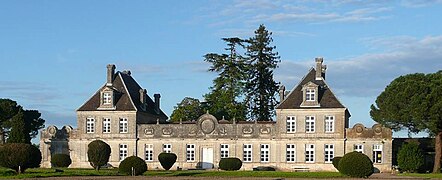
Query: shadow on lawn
x=186 y=173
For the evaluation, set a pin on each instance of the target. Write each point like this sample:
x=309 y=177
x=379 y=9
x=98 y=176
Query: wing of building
x=311 y=128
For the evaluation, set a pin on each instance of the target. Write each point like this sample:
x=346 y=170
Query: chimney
x=157 y=102
x=110 y=74
x=143 y=96
x=281 y=93
x=319 y=61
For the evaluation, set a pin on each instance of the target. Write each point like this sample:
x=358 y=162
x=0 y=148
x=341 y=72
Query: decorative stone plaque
x=207 y=126
x=149 y=131
x=247 y=130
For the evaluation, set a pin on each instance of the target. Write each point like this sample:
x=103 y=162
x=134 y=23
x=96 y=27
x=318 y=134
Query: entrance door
x=207 y=158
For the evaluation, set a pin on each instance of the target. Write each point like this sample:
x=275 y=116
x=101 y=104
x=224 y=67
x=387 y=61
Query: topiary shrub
x=335 y=162
x=230 y=164
x=19 y=156
x=167 y=160
x=264 y=168
x=60 y=160
x=410 y=157
x=98 y=153
x=135 y=162
x=356 y=164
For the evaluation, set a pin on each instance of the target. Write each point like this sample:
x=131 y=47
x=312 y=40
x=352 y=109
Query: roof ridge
x=127 y=90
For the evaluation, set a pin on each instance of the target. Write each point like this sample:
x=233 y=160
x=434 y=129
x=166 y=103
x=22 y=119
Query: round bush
x=167 y=160
x=132 y=162
x=356 y=164
x=61 y=160
x=335 y=162
x=410 y=157
x=98 y=153
x=230 y=164
x=19 y=156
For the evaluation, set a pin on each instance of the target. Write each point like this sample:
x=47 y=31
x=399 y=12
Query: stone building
x=311 y=128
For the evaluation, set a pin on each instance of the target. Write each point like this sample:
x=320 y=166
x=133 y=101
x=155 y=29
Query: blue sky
x=54 y=54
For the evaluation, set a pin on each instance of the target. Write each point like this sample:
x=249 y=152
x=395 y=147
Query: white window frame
x=329 y=153
x=148 y=152
x=190 y=152
x=291 y=124
x=123 y=152
x=106 y=125
x=310 y=95
x=309 y=153
x=310 y=124
x=90 y=125
x=265 y=152
x=290 y=152
x=247 y=152
x=224 y=150
x=329 y=124
x=358 y=148
x=167 y=148
x=107 y=98
x=123 y=125
x=377 y=153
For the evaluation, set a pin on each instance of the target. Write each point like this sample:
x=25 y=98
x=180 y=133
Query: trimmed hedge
x=167 y=160
x=19 y=156
x=61 y=160
x=356 y=164
x=98 y=153
x=230 y=164
x=137 y=163
x=335 y=162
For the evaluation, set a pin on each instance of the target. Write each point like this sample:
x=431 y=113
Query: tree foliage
x=60 y=160
x=413 y=102
x=261 y=87
x=8 y=109
x=139 y=166
x=356 y=164
x=167 y=160
x=98 y=153
x=19 y=156
x=188 y=109
x=410 y=157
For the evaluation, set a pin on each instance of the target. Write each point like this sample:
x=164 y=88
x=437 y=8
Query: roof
x=127 y=97
x=326 y=97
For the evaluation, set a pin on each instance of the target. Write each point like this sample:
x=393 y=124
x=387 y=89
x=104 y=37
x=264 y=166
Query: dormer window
x=310 y=95
x=107 y=98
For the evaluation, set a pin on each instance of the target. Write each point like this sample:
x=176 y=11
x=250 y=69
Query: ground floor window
x=123 y=151
x=190 y=152
x=329 y=153
x=167 y=148
x=149 y=152
x=377 y=153
x=265 y=149
x=309 y=153
x=224 y=150
x=247 y=153
x=291 y=152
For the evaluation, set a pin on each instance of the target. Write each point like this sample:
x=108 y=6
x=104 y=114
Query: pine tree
x=18 y=129
x=261 y=87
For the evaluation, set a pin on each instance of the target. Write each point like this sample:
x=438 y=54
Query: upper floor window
x=106 y=125
x=224 y=150
x=167 y=148
x=329 y=123
x=310 y=124
x=107 y=98
x=291 y=124
x=310 y=95
x=123 y=125
x=90 y=125
x=359 y=148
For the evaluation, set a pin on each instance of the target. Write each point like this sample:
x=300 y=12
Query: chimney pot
x=110 y=74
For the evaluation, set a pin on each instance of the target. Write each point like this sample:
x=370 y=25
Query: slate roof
x=127 y=97
x=326 y=97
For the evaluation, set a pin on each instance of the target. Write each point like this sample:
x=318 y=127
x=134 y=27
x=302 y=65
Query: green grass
x=423 y=175
x=45 y=172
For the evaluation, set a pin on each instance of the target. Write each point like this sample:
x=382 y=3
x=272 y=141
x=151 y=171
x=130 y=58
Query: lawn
x=44 y=172
x=423 y=175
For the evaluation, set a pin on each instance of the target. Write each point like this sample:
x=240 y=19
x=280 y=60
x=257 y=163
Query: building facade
x=311 y=128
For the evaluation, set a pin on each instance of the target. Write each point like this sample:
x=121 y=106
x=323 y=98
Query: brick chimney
x=110 y=74
x=157 y=102
x=320 y=69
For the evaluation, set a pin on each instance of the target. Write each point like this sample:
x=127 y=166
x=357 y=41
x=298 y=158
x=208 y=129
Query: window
x=123 y=151
x=329 y=152
x=377 y=153
x=309 y=153
x=190 y=152
x=106 y=125
x=224 y=150
x=149 y=152
x=123 y=125
x=247 y=153
x=167 y=148
x=107 y=98
x=359 y=148
x=265 y=152
x=291 y=152
x=329 y=123
x=291 y=124
x=309 y=124
x=310 y=95
x=90 y=125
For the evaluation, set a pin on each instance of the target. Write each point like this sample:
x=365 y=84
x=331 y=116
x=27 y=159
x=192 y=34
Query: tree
x=19 y=156
x=188 y=109
x=413 y=102
x=24 y=126
x=98 y=153
x=8 y=109
x=261 y=87
x=410 y=157
x=228 y=87
x=167 y=160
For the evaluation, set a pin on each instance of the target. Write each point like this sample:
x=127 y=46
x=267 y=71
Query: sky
x=53 y=54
